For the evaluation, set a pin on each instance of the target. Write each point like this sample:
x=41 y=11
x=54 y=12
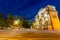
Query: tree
x=8 y=20
x=1 y=15
x=26 y=24
x=1 y=20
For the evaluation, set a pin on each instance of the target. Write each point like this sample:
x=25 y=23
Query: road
x=29 y=34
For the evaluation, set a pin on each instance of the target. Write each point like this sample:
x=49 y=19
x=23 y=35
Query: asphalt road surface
x=29 y=34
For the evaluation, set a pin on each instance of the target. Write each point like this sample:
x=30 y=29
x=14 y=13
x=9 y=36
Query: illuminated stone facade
x=47 y=18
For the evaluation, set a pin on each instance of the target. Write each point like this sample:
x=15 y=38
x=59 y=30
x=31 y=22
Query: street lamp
x=16 y=22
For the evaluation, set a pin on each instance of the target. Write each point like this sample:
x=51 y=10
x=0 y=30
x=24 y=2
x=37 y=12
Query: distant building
x=47 y=18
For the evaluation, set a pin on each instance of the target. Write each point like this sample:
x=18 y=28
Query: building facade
x=47 y=18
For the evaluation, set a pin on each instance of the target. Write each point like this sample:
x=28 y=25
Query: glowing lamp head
x=16 y=22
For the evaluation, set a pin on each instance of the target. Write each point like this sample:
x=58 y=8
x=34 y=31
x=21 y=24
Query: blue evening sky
x=26 y=8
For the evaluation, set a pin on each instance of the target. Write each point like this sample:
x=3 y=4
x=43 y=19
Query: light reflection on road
x=29 y=33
